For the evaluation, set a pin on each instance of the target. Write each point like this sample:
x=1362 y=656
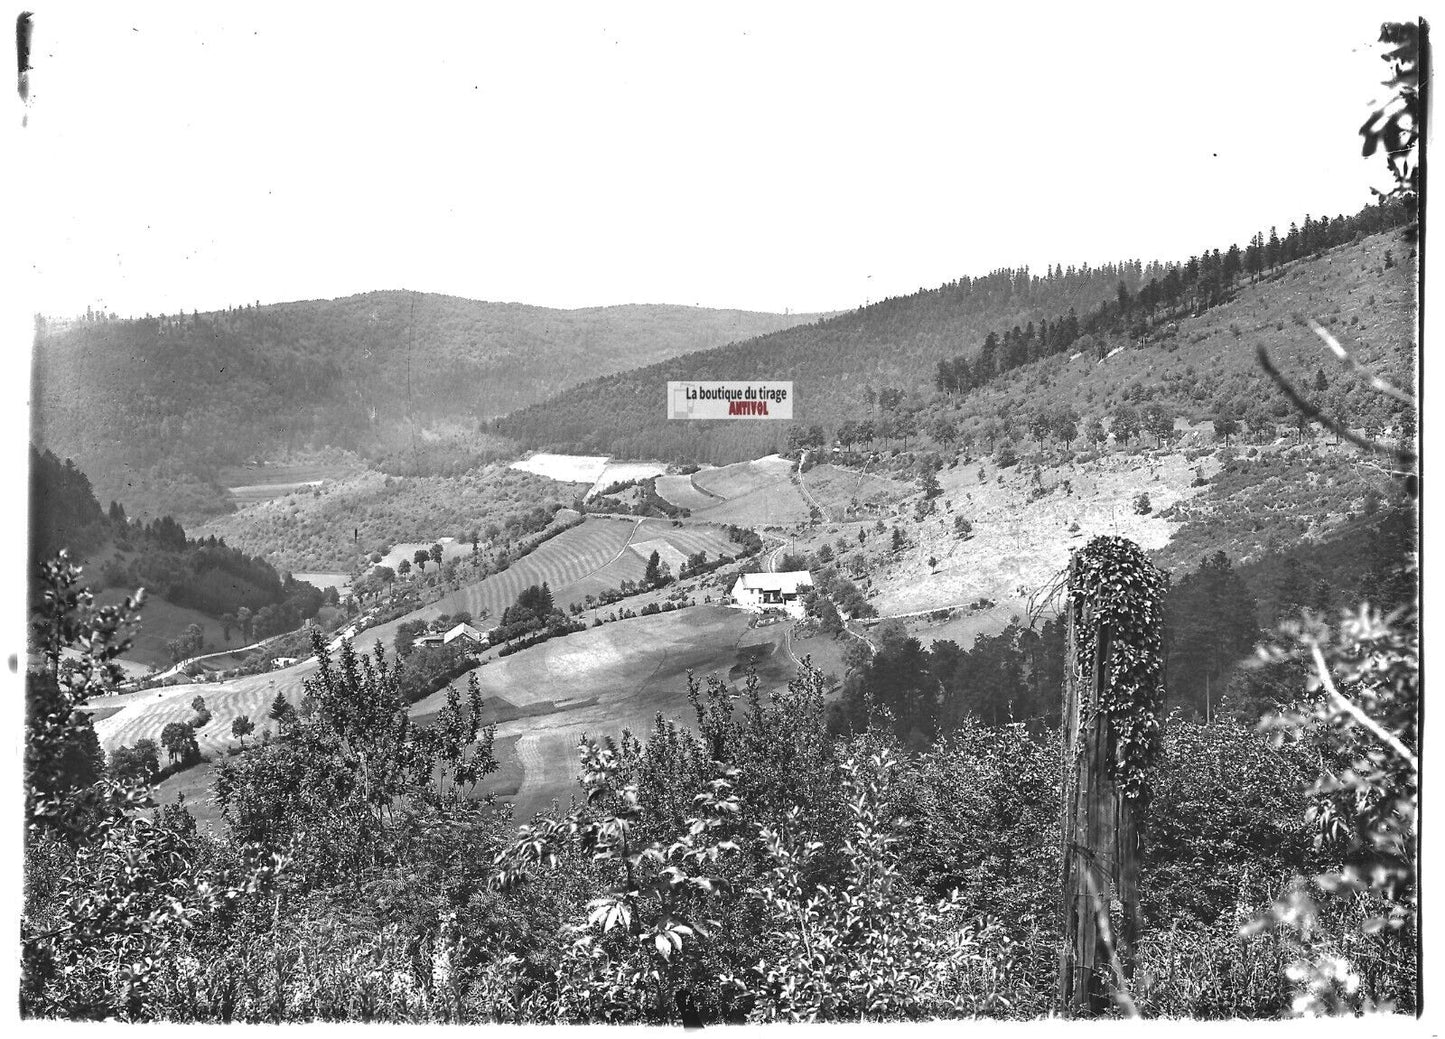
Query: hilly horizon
x=156 y=407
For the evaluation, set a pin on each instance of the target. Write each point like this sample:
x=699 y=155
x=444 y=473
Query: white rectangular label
x=724 y=400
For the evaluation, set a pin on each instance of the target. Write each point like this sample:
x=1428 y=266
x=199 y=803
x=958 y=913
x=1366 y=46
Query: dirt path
x=176 y=668
x=807 y=494
x=788 y=647
x=625 y=545
x=773 y=555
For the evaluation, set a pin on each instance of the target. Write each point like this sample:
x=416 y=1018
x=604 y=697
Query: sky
x=800 y=157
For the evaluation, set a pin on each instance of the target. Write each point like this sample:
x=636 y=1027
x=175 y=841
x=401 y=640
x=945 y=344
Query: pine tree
x=281 y=710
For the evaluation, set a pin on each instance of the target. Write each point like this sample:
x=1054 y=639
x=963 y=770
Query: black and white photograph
x=685 y=515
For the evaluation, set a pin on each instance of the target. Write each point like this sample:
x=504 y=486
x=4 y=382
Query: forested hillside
x=152 y=407
x=898 y=352
x=202 y=574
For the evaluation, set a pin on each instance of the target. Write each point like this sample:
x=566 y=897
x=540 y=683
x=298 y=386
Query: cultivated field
x=741 y=478
x=561 y=562
x=665 y=552
x=543 y=698
x=584 y=560
x=566 y=468
x=124 y=719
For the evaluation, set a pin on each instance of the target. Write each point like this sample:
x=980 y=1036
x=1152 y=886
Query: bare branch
x=1376 y=383
x=1046 y=595
x=1349 y=707
x=1333 y=425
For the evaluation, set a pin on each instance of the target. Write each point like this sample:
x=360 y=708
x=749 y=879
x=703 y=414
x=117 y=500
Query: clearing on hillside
x=250 y=484
x=847 y=494
x=621 y=472
x=451 y=549
x=564 y=468
x=341 y=582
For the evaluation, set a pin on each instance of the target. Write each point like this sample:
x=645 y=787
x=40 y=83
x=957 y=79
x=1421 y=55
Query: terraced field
x=665 y=552
x=561 y=562
x=690 y=538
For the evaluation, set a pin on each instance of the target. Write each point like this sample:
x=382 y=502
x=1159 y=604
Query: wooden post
x=1101 y=821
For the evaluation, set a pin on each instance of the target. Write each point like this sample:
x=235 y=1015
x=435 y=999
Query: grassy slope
x=683 y=491
x=748 y=494
x=162 y=621
x=613 y=677
x=836 y=489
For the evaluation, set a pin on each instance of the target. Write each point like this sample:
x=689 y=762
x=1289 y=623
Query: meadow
x=683 y=492
x=162 y=621
x=749 y=494
x=619 y=675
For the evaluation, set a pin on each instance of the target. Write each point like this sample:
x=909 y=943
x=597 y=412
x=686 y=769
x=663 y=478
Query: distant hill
x=953 y=338
x=152 y=407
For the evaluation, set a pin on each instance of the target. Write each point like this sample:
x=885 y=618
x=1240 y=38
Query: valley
x=586 y=588
x=990 y=590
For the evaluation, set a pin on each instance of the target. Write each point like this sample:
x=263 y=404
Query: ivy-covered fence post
x=1113 y=690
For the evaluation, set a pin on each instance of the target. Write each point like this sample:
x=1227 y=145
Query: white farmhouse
x=784 y=591
x=470 y=635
